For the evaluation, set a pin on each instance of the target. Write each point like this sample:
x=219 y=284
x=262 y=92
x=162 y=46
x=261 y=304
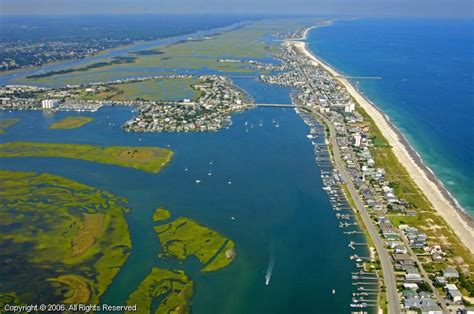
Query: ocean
x=427 y=85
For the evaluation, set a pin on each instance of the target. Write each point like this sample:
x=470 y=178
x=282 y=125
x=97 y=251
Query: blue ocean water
x=427 y=86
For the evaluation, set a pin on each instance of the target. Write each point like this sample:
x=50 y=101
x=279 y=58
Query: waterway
x=283 y=218
x=276 y=197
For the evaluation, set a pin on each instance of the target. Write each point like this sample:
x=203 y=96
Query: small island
x=150 y=159
x=184 y=237
x=6 y=123
x=72 y=122
x=161 y=214
x=173 y=286
x=180 y=238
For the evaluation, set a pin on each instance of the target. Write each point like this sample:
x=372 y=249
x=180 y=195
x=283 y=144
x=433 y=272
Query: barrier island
x=173 y=286
x=184 y=237
x=150 y=159
x=72 y=122
x=60 y=241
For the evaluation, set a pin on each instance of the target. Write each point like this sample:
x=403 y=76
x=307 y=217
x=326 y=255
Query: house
x=402 y=261
x=432 y=309
x=410 y=286
x=450 y=272
x=412 y=275
x=441 y=280
x=401 y=249
x=437 y=258
x=389 y=233
x=453 y=293
x=455 y=296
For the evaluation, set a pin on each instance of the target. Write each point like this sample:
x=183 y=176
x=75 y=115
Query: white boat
x=198 y=181
x=209 y=173
x=229 y=182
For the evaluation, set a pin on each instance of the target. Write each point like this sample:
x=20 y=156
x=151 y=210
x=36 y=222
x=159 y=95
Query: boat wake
x=268 y=273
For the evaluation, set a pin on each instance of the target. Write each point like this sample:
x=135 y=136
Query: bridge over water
x=277 y=105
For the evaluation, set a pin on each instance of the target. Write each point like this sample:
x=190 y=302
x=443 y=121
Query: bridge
x=277 y=105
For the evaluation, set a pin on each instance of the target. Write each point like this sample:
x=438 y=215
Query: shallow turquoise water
x=427 y=89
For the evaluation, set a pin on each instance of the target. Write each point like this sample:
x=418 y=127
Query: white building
x=349 y=107
x=49 y=103
x=356 y=139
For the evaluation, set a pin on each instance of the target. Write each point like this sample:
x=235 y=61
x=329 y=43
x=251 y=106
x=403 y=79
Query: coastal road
x=390 y=283
x=385 y=260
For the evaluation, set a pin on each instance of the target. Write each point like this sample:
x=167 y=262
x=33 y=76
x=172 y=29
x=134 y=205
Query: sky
x=273 y=7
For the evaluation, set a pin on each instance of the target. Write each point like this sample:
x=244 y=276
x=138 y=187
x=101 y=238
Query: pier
x=361 y=77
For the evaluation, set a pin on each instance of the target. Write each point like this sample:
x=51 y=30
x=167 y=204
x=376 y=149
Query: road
x=393 y=304
x=385 y=260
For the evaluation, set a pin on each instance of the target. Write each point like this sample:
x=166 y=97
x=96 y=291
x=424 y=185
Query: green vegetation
x=244 y=43
x=466 y=283
x=174 y=286
x=115 y=60
x=6 y=123
x=184 y=237
x=8 y=298
x=165 y=89
x=63 y=238
x=76 y=289
x=150 y=159
x=223 y=259
x=161 y=214
x=427 y=219
x=102 y=93
x=72 y=122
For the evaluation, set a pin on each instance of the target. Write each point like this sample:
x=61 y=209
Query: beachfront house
x=453 y=293
x=450 y=273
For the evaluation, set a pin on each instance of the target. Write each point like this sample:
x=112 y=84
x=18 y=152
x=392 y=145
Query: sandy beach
x=442 y=201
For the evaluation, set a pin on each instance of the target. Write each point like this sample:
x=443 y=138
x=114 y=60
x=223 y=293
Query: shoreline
x=434 y=190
